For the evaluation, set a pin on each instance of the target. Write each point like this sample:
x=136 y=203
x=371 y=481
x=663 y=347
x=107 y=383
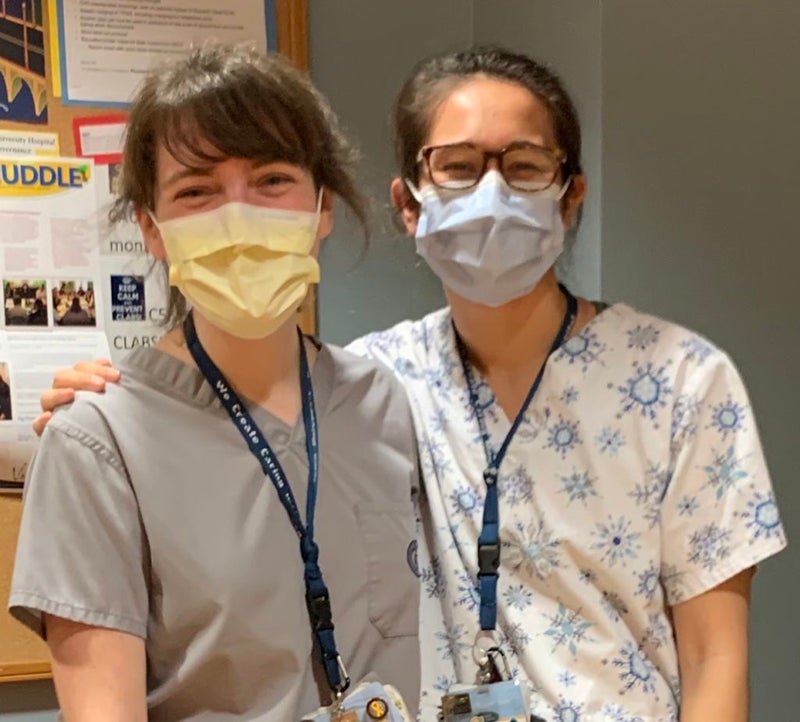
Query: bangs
x=245 y=119
x=229 y=101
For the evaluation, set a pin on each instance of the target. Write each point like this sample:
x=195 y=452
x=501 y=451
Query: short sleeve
x=81 y=547
x=719 y=513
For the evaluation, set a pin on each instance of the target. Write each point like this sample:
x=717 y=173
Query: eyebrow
x=208 y=170
x=179 y=175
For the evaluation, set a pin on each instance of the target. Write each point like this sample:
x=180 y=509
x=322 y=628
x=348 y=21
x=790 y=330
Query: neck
x=510 y=336
x=255 y=368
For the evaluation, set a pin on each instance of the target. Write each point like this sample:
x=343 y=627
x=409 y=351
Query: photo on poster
x=5 y=393
x=127 y=298
x=25 y=302
x=23 y=84
x=113 y=178
x=74 y=303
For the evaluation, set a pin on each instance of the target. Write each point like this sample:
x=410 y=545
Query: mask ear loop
x=564 y=188
x=413 y=190
x=318 y=212
x=153 y=218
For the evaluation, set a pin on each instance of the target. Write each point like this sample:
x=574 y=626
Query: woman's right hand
x=83 y=376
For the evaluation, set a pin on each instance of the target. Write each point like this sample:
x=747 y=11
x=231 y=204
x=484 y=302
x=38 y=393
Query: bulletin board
x=23 y=656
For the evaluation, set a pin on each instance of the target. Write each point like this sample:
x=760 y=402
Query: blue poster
x=127 y=298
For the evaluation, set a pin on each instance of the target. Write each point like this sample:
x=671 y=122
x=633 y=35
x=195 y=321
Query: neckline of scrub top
x=178 y=379
x=503 y=422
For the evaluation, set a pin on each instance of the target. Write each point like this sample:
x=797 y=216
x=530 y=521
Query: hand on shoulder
x=83 y=376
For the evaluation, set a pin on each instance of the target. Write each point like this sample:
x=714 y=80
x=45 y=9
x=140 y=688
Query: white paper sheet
x=54 y=304
x=28 y=361
x=27 y=144
x=108 y=46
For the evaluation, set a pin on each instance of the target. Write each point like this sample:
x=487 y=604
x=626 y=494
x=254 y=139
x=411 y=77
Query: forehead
x=491 y=113
x=200 y=153
x=175 y=163
x=193 y=149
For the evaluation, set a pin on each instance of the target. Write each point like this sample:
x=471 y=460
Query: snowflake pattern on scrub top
x=636 y=482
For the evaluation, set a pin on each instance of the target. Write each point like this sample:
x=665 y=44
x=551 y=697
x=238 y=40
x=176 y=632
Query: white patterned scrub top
x=635 y=482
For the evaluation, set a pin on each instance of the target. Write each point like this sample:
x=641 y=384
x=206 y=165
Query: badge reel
x=370 y=701
x=495 y=698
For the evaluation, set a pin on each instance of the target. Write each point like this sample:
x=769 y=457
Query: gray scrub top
x=145 y=512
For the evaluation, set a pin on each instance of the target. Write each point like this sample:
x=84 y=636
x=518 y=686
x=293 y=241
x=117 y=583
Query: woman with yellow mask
x=229 y=533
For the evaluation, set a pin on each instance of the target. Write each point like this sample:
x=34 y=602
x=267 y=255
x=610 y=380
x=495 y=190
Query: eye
x=275 y=180
x=192 y=192
x=459 y=167
x=526 y=168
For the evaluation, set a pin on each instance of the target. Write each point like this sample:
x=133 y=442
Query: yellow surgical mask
x=245 y=268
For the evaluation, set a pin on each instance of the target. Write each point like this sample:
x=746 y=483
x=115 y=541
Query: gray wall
x=699 y=224
x=28 y=702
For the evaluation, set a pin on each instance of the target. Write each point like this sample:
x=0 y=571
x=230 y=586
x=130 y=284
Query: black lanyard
x=317 y=598
x=489 y=539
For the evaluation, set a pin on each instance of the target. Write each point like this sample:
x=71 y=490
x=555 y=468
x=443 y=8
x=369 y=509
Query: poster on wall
x=23 y=82
x=74 y=286
x=54 y=312
x=106 y=51
x=134 y=288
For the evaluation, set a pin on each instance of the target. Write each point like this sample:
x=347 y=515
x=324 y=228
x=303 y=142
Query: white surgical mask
x=490 y=244
x=245 y=268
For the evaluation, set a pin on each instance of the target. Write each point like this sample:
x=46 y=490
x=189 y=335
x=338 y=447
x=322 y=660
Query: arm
x=99 y=673
x=711 y=634
x=83 y=376
x=81 y=570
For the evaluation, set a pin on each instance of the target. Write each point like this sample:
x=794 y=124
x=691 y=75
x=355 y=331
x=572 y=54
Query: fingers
x=51 y=399
x=85 y=377
x=41 y=422
x=101 y=368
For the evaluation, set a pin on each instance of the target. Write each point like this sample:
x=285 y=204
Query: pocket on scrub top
x=388 y=531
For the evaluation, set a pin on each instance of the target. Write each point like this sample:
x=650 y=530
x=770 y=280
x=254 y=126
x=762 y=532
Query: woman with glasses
x=596 y=494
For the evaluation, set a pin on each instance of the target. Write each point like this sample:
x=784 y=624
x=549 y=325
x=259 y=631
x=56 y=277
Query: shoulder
x=366 y=399
x=355 y=377
x=95 y=420
x=405 y=339
x=633 y=329
x=663 y=348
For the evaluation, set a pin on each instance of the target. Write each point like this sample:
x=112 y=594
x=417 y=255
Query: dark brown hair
x=432 y=81
x=224 y=101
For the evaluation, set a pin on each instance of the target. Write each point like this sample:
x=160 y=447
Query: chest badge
x=377 y=709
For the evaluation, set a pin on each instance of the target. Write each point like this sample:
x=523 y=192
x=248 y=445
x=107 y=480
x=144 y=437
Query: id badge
x=498 y=702
x=370 y=701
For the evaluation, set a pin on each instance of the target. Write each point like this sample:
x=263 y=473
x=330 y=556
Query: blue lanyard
x=489 y=539
x=318 y=601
